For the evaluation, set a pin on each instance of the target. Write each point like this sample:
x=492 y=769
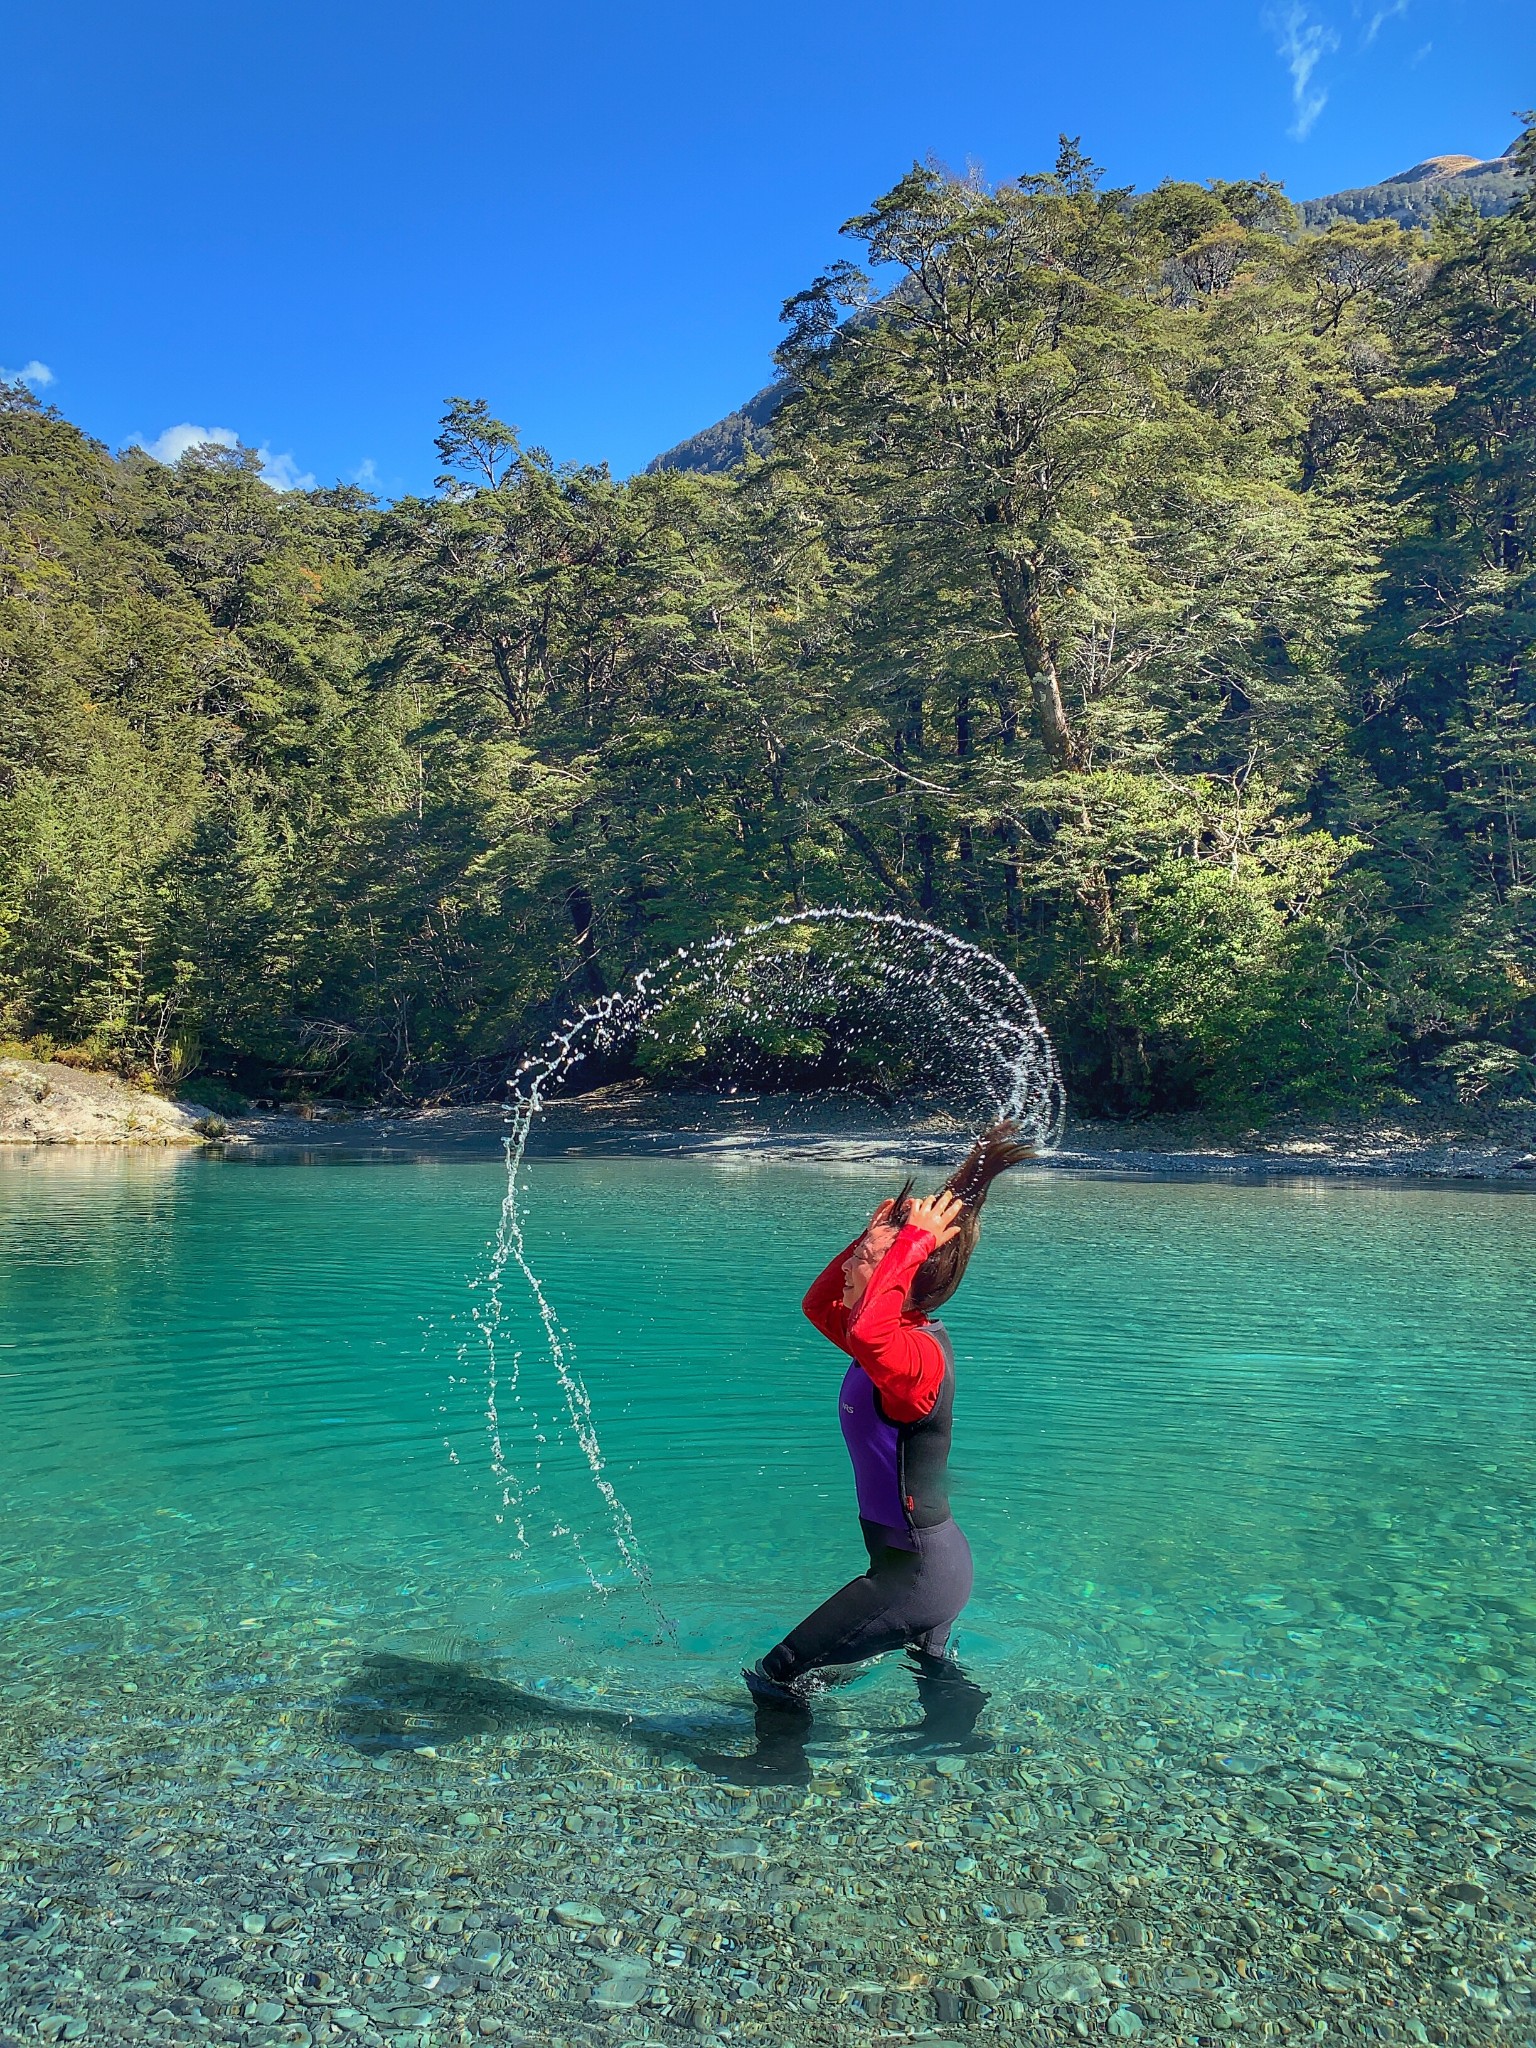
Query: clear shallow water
x=1230 y=1436
x=1249 y=1474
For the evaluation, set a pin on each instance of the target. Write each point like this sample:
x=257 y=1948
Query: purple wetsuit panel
x=874 y=1445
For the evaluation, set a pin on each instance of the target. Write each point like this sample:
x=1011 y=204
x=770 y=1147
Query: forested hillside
x=1145 y=587
x=1413 y=197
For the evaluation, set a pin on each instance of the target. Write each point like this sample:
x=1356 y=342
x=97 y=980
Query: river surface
x=1255 y=1466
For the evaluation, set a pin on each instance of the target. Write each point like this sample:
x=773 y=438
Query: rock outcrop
x=45 y=1103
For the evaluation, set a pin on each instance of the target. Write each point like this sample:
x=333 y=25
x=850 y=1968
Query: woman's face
x=860 y=1264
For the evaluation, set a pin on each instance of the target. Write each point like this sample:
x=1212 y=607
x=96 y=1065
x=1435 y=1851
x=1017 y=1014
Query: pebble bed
x=194 y=1846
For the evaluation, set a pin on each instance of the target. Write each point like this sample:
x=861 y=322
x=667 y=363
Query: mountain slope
x=1412 y=197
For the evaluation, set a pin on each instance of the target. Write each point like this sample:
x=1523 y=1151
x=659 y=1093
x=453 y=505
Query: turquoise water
x=1228 y=1437
x=307 y=1728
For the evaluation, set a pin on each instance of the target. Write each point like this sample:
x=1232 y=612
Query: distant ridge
x=1409 y=197
x=729 y=441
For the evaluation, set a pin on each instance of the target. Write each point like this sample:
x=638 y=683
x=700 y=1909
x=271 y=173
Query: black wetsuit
x=896 y=1406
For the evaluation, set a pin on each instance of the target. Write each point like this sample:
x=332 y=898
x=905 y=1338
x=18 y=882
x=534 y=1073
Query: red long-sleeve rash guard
x=891 y=1341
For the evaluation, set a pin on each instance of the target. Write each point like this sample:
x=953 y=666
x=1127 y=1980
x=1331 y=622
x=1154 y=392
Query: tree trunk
x=862 y=844
x=927 y=887
x=1014 y=580
x=973 y=903
x=578 y=903
x=1013 y=894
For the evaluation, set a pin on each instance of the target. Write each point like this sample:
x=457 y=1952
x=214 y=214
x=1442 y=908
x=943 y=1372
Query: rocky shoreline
x=48 y=1104
x=1436 y=1144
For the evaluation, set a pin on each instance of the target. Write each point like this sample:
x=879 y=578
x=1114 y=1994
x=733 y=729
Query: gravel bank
x=1432 y=1143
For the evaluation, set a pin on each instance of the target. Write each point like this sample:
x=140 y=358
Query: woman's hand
x=938 y=1214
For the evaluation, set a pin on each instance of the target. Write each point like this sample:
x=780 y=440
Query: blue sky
x=306 y=225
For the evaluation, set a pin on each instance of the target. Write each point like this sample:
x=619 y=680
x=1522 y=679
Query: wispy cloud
x=366 y=474
x=1302 y=42
x=280 y=471
x=37 y=374
x=175 y=441
x=1377 y=17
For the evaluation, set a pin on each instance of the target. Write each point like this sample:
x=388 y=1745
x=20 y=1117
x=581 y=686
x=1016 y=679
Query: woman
x=874 y=1303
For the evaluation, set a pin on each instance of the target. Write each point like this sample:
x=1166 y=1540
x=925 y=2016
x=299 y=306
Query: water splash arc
x=989 y=1015
x=973 y=1049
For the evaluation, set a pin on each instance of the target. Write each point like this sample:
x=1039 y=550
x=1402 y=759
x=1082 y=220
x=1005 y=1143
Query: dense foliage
x=1142 y=584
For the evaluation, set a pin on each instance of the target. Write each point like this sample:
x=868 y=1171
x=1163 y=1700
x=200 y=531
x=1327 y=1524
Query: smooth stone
x=577 y=1913
x=1024 y=1905
x=623 y=1988
x=982 y=1989
x=1467 y=1890
x=1069 y=1983
x=223 y=1990
x=1332 y=1765
x=269 y=2012
x=1371 y=1926
x=1124 y=2022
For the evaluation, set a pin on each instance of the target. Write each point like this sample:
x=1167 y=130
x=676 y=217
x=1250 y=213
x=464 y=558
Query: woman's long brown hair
x=942 y=1271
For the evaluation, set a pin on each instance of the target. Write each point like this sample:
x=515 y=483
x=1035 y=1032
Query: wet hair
x=942 y=1271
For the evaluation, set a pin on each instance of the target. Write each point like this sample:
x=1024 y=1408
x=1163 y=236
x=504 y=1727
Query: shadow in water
x=399 y=1702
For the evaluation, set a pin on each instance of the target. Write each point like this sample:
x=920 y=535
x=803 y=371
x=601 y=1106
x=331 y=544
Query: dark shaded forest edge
x=1143 y=587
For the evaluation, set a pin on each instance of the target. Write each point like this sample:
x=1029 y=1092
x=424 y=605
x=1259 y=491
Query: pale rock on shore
x=43 y=1102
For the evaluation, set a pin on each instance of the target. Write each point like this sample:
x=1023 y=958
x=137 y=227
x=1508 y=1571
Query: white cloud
x=37 y=374
x=366 y=474
x=282 y=472
x=175 y=441
x=1302 y=42
x=1380 y=15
